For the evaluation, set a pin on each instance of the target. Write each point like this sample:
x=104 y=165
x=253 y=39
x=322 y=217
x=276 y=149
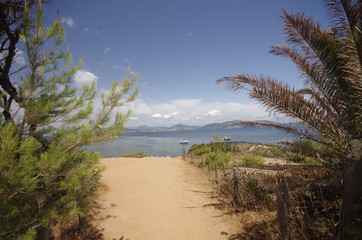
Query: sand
x=159 y=198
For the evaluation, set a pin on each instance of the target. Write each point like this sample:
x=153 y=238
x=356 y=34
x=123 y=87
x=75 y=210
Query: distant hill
x=229 y=124
x=182 y=127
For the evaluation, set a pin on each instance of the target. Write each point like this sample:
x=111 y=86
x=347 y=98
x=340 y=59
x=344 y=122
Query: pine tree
x=45 y=175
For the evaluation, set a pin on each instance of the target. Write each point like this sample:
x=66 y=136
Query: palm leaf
x=278 y=97
x=337 y=60
x=291 y=129
x=315 y=77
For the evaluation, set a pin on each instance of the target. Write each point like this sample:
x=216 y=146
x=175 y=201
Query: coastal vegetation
x=251 y=159
x=214 y=155
x=249 y=187
x=135 y=155
x=46 y=178
x=329 y=105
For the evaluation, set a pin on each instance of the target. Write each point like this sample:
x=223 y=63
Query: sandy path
x=159 y=199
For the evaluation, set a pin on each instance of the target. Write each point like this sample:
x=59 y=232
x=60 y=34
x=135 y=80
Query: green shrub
x=135 y=155
x=217 y=159
x=42 y=186
x=271 y=152
x=200 y=149
x=251 y=159
x=311 y=161
x=216 y=138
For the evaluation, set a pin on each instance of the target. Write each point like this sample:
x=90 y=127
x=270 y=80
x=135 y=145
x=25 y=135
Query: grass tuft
x=251 y=159
x=135 y=155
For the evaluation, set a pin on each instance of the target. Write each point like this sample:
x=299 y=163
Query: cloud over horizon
x=193 y=112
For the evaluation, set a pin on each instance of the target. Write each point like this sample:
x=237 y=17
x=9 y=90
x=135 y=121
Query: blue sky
x=180 y=48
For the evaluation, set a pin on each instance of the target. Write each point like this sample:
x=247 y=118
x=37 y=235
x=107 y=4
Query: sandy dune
x=159 y=199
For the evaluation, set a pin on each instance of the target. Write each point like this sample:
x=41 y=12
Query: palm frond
x=291 y=129
x=337 y=59
x=315 y=77
x=278 y=97
x=331 y=63
x=345 y=14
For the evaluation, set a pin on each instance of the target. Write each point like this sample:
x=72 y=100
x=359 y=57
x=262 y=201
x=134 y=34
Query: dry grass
x=314 y=195
x=250 y=193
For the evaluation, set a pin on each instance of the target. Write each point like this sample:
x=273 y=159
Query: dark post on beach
x=235 y=186
x=283 y=209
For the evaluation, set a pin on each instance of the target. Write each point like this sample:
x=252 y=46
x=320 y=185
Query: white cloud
x=91 y=31
x=106 y=50
x=18 y=58
x=171 y=115
x=157 y=115
x=193 y=112
x=164 y=116
x=82 y=77
x=213 y=113
x=68 y=21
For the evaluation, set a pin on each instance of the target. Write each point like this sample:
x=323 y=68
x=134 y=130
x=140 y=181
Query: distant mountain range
x=181 y=127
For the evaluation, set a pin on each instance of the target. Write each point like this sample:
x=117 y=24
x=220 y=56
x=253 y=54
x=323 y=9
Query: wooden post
x=283 y=209
x=235 y=187
x=208 y=164
x=352 y=192
x=215 y=170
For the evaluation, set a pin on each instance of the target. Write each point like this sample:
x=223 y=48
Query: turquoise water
x=167 y=143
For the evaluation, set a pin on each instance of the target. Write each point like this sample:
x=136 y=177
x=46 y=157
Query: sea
x=166 y=143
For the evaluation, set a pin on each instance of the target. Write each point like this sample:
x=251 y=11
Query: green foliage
x=251 y=159
x=311 y=152
x=218 y=155
x=311 y=161
x=200 y=149
x=216 y=138
x=271 y=152
x=217 y=159
x=135 y=155
x=40 y=186
x=45 y=175
x=30 y=235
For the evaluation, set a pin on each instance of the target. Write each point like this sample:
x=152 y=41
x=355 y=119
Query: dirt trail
x=159 y=199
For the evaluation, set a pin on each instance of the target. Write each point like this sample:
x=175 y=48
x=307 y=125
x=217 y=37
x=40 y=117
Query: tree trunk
x=351 y=222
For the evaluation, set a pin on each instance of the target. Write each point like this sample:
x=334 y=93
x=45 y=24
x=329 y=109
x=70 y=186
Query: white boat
x=184 y=141
x=227 y=139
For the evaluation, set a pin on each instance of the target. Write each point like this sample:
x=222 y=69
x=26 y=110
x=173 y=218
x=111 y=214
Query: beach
x=159 y=198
